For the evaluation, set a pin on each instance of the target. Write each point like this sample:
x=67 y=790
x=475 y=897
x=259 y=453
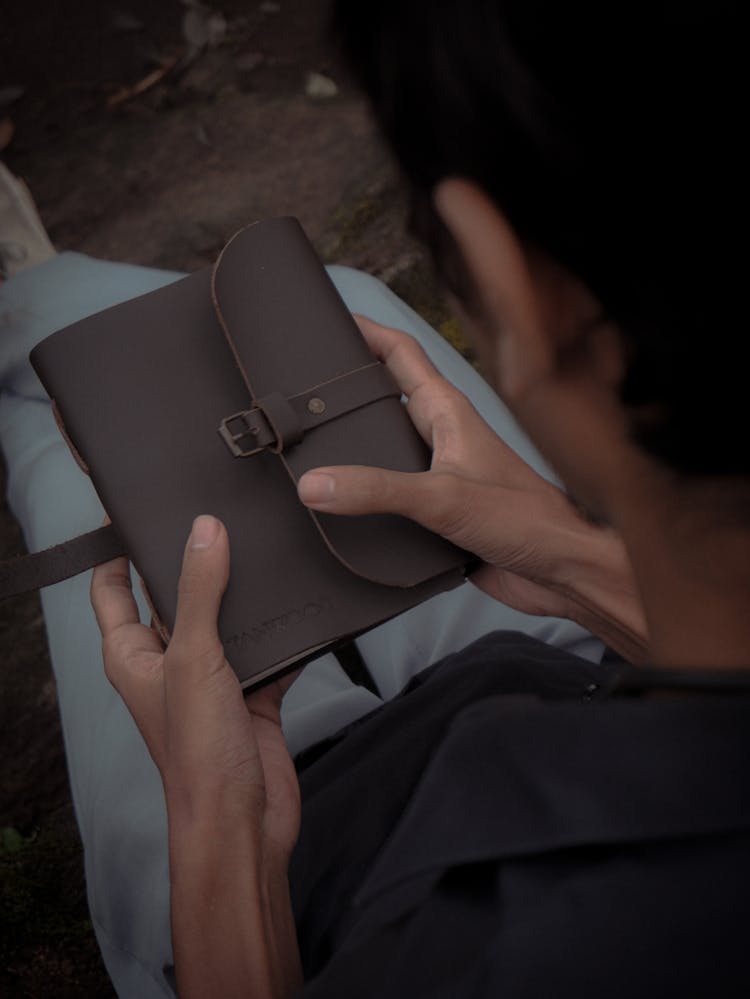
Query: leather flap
x=292 y=335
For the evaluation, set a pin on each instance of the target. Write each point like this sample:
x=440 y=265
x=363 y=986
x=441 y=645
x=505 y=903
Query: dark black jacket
x=521 y=823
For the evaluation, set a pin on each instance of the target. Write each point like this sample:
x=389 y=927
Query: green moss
x=349 y=222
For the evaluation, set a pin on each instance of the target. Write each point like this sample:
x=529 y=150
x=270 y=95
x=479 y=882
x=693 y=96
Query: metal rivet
x=316 y=406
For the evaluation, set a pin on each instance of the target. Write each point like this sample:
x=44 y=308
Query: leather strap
x=30 y=572
x=283 y=419
x=275 y=423
x=278 y=423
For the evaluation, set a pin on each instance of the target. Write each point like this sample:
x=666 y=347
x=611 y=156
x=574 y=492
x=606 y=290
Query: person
x=115 y=786
x=517 y=821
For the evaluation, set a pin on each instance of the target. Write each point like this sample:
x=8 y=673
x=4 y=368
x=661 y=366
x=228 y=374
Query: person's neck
x=689 y=544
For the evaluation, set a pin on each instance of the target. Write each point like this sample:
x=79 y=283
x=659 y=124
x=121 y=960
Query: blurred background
x=150 y=132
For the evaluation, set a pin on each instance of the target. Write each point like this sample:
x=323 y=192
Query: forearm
x=232 y=925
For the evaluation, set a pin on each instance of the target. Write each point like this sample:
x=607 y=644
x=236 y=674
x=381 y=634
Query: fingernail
x=205 y=531
x=316 y=487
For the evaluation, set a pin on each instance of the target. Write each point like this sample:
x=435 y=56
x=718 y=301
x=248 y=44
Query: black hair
x=609 y=134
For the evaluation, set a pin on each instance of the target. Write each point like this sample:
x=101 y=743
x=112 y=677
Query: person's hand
x=219 y=753
x=478 y=493
x=231 y=790
x=540 y=555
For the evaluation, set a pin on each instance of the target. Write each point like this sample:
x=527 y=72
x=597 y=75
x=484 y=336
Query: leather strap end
x=32 y=572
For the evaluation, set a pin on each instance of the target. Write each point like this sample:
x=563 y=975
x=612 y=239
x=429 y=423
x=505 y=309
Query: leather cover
x=141 y=391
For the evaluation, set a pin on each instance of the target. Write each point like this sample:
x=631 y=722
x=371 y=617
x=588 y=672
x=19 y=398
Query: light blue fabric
x=116 y=789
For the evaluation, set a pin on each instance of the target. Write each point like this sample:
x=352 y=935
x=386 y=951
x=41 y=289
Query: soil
x=161 y=175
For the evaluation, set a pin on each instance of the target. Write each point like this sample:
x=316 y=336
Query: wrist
x=232 y=925
x=598 y=587
x=209 y=837
x=571 y=548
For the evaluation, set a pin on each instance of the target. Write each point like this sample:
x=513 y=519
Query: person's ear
x=498 y=268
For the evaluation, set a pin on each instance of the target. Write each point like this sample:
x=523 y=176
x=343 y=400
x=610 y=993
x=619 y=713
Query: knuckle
x=407 y=351
x=190 y=582
x=383 y=488
x=394 y=492
x=443 y=402
x=414 y=349
x=450 y=405
x=371 y=490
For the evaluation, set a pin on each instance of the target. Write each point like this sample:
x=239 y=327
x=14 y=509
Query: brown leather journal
x=214 y=395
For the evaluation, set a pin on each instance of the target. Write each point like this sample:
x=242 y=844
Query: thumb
x=359 y=489
x=203 y=580
x=491 y=521
x=436 y=500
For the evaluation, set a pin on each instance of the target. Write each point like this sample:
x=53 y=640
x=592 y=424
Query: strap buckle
x=234 y=435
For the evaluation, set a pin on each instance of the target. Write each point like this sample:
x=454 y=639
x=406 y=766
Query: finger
x=401 y=354
x=132 y=652
x=195 y=641
x=112 y=595
x=133 y=662
x=117 y=614
x=445 y=418
x=428 y=392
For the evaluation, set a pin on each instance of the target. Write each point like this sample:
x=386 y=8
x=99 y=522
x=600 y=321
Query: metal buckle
x=232 y=439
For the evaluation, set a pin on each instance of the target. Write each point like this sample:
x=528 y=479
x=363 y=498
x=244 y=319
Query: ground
x=150 y=138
